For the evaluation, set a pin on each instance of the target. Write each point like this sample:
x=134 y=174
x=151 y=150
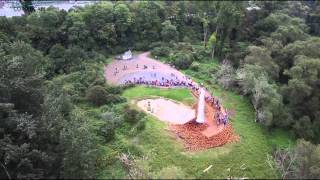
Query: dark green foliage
x=107 y=131
x=80 y=151
x=131 y=115
x=112 y=120
x=182 y=61
x=114 y=89
x=195 y=66
x=160 y=51
x=97 y=95
x=141 y=125
x=169 y=32
x=50 y=64
x=22 y=68
x=300 y=162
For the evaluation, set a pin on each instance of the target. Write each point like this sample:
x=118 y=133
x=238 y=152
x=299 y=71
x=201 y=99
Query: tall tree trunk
x=205 y=35
x=212 y=52
x=213 y=46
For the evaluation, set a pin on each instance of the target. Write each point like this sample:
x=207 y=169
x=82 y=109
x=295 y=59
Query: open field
x=163 y=150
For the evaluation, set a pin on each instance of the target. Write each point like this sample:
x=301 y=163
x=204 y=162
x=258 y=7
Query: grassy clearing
x=250 y=153
x=183 y=95
x=246 y=158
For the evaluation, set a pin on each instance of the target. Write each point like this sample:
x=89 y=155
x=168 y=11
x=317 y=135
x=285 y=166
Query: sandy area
x=154 y=66
x=167 y=110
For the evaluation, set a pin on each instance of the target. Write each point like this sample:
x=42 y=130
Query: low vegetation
x=59 y=118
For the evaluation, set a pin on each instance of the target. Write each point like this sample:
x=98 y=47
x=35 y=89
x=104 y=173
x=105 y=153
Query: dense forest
x=51 y=64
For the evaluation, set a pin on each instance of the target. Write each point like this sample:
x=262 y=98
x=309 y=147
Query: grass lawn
x=183 y=95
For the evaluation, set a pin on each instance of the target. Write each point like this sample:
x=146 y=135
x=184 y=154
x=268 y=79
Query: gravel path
x=154 y=67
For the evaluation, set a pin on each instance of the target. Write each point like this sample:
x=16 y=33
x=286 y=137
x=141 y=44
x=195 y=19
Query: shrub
x=114 y=89
x=183 y=61
x=226 y=76
x=100 y=80
x=201 y=54
x=111 y=122
x=160 y=51
x=141 y=124
x=186 y=39
x=155 y=44
x=132 y=116
x=183 y=46
x=142 y=45
x=113 y=98
x=97 y=95
x=107 y=131
x=195 y=66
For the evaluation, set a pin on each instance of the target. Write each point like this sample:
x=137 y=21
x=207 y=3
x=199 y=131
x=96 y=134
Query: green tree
x=97 y=95
x=228 y=18
x=169 y=32
x=123 y=18
x=80 y=152
x=212 y=42
x=22 y=69
x=262 y=57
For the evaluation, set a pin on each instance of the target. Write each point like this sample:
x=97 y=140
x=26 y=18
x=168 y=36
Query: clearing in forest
x=143 y=70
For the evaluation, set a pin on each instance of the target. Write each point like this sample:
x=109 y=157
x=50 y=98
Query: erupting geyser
x=200 y=116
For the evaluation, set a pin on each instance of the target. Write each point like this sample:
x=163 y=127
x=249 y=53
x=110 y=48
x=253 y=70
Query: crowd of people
x=221 y=116
x=173 y=81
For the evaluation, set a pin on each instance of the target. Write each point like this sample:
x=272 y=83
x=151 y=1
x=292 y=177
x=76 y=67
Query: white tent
x=127 y=55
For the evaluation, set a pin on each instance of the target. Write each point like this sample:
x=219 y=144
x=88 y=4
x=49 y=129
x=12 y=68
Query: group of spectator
x=164 y=82
x=221 y=116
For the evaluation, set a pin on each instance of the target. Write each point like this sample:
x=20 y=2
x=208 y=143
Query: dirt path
x=167 y=110
x=142 y=59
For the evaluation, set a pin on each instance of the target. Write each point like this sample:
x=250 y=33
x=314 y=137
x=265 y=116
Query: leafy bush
x=138 y=127
x=201 y=54
x=160 y=51
x=195 y=66
x=112 y=120
x=113 y=98
x=226 y=76
x=182 y=61
x=186 y=39
x=132 y=116
x=97 y=95
x=107 y=131
x=183 y=46
x=114 y=89
x=156 y=44
x=142 y=46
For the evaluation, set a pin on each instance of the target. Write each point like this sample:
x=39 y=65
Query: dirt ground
x=154 y=66
x=167 y=110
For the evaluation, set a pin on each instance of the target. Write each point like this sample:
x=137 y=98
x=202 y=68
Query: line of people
x=221 y=116
x=164 y=82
